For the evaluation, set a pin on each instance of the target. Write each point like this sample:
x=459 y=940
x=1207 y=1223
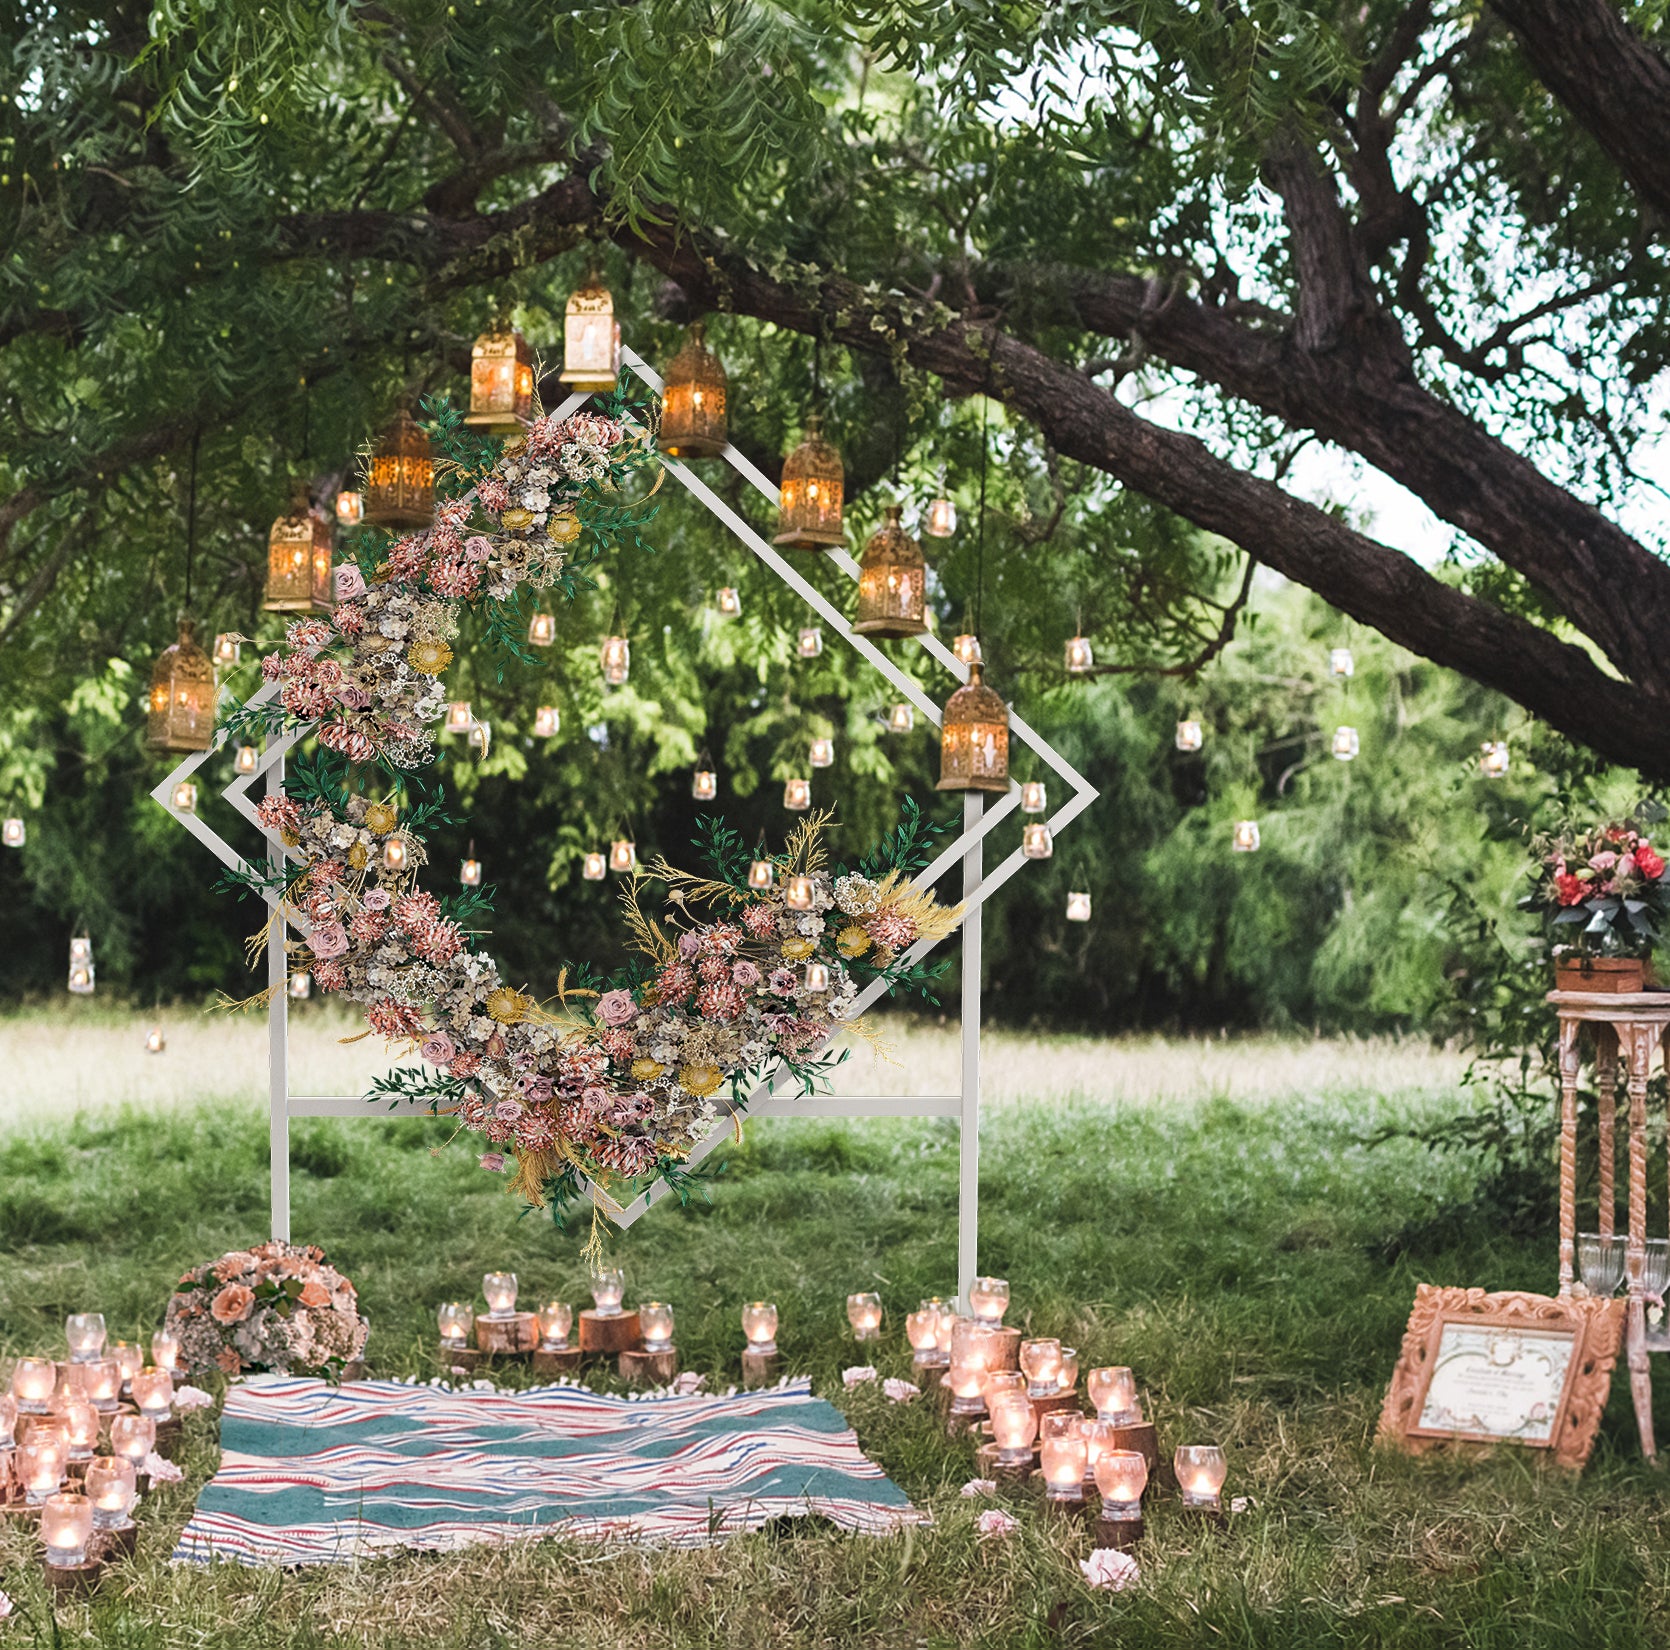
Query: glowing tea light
x=1113 y=1390
x=922 y=1331
x=608 y=1290
x=988 y=1300
x=350 y=508
x=864 y=1314
x=1078 y=905
x=594 y=867
x=1190 y=736
x=1061 y=1453
x=301 y=985
x=1341 y=663
x=458 y=717
x=556 y=1318
x=469 y=873
x=102 y=1383
x=971 y=1353
x=396 y=854
x=66 y=1528
x=761 y=874
x=1201 y=1470
x=1033 y=797
x=132 y=1437
x=817 y=976
x=1245 y=839
x=1493 y=759
x=128 y=1358
x=730 y=601
x=165 y=1350
x=704 y=785
x=112 y=1487
x=1345 y=744
x=33 y=1381
x=1067 y=1376
x=1080 y=656
x=809 y=644
x=155 y=1042
x=822 y=753
x=655 y=1321
x=153 y=1391
x=1041 y=1364
x=942 y=518
x=500 y=1290
x=1004 y=1383
x=797 y=795
x=184 y=797
x=1121 y=1477
x=616 y=659
x=901 y=718
x=42 y=1459
x=946 y=1327
x=454 y=1319
x=85 y=1333
x=13 y=833
x=1036 y=841
x=542 y=629
x=967 y=648
x=1014 y=1426
x=1099 y=1437
x=623 y=855
x=246 y=760
x=81 y=949
x=797 y=893
x=226 y=650
x=759 y=1324
x=547 y=722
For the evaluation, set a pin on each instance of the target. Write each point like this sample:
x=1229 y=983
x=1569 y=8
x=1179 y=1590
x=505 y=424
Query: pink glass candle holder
x=112 y=1487
x=102 y=1383
x=988 y=1300
x=1121 y=1477
x=655 y=1324
x=864 y=1314
x=66 y=1528
x=1067 y=1376
x=1201 y=1470
x=759 y=1324
x=80 y=1423
x=608 y=1290
x=1061 y=1454
x=1002 y=1383
x=454 y=1319
x=153 y=1391
x=971 y=1348
x=922 y=1331
x=1113 y=1390
x=128 y=1358
x=133 y=1437
x=1099 y=1437
x=165 y=1351
x=43 y=1456
x=556 y=1319
x=85 y=1333
x=500 y=1290
x=1041 y=1364
x=946 y=1328
x=8 y=1420
x=33 y=1382
x=1014 y=1426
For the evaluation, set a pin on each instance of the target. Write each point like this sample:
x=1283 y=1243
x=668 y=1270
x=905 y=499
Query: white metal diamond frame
x=968 y=850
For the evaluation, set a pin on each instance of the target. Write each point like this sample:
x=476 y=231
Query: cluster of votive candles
x=556 y=1318
x=54 y=1417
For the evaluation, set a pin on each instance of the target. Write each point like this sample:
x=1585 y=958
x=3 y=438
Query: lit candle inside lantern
x=967 y=648
x=797 y=795
x=1036 y=841
x=1078 y=906
x=12 y=833
x=1493 y=760
x=128 y=1358
x=971 y=1350
x=458 y=717
x=542 y=629
x=85 y=1333
x=594 y=867
x=350 y=508
x=942 y=518
x=556 y=1318
x=133 y=1437
x=32 y=1382
x=1245 y=840
x=1189 y=736
x=623 y=854
x=184 y=799
x=112 y=1488
x=822 y=753
x=246 y=759
x=102 y=1383
x=1113 y=1390
x=395 y=854
x=616 y=657
x=797 y=893
x=153 y=1391
x=1201 y=1470
x=1033 y=797
x=901 y=719
x=547 y=722
x=704 y=786
x=42 y=1457
x=1121 y=1477
x=945 y=1327
x=301 y=985
x=608 y=1290
x=165 y=1350
x=1041 y=1364
x=730 y=602
x=66 y=1528
x=655 y=1321
x=810 y=642
x=1341 y=663
x=155 y=1042
x=81 y=949
x=1014 y=1426
x=1066 y=1378
x=1004 y=1383
x=226 y=650
x=864 y=1314
x=454 y=1318
x=761 y=872
x=1345 y=744
x=479 y=735
x=988 y=1300
x=817 y=976
x=759 y=1324
x=1080 y=657
x=1061 y=1453
x=469 y=873
x=500 y=1290
x=922 y=1331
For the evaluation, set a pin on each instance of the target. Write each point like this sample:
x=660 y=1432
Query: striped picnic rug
x=317 y=1474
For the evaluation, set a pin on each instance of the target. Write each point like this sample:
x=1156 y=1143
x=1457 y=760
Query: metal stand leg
x=278 y=1046
x=968 y=1152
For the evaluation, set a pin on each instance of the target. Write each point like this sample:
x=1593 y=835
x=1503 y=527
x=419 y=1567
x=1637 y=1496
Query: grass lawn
x=1238 y=1245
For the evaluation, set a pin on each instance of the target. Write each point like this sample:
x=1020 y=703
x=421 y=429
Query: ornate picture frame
x=1478 y=1368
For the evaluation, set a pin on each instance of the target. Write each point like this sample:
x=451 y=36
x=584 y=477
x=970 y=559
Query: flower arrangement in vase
x=1603 y=895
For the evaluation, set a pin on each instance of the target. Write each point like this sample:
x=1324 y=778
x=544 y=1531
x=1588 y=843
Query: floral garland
x=616 y=1084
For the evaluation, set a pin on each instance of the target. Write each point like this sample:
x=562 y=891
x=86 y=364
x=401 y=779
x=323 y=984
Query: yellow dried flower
x=797 y=946
x=700 y=1080
x=429 y=658
x=289 y=836
x=507 y=1006
x=514 y=521
x=852 y=942
x=646 y=1070
x=563 y=527
x=359 y=856
x=381 y=818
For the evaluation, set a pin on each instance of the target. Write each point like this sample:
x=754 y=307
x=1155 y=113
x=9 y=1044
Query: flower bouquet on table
x=279 y=1307
x=1603 y=895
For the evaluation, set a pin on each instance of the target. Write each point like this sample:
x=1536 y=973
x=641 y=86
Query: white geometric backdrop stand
x=968 y=851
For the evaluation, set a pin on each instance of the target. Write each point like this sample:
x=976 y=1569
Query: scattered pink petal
x=192 y=1397
x=689 y=1383
x=5 y=1606
x=976 y=1487
x=160 y=1471
x=994 y=1521
x=1114 y=1570
x=858 y=1372
x=493 y=1162
x=899 y=1392
x=1239 y=1503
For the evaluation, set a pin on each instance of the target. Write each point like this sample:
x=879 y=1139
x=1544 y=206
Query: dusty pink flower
x=745 y=973
x=329 y=939
x=977 y=1487
x=438 y=1050
x=784 y=981
x=858 y=1372
x=377 y=899
x=233 y=1304
x=1111 y=1569
x=536 y=1090
x=478 y=547
x=616 y=1008
x=493 y=1162
x=995 y=1522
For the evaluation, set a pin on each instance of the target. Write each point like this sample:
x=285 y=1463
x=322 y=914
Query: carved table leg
x=1640 y=1041
x=1570 y=1029
x=1606 y=1087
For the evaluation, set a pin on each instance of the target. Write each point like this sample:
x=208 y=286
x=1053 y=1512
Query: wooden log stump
x=1005 y=1350
x=609 y=1333
x=1214 y=1517
x=1141 y=1437
x=1053 y=1403
x=511 y=1337
x=641 y=1368
x=556 y=1360
x=73 y=1580
x=458 y=1360
x=1004 y=1472
x=112 y=1546
x=169 y=1433
x=1122 y=1534
x=761 y=1368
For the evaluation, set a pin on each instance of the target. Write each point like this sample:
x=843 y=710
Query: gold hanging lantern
x=809 y=499
x=693 y=401
x=974 y=738
x=181 y=710
x=501 y=382
x=590 y=339
x=298 y=561
x=400 y=477
x=891 y=582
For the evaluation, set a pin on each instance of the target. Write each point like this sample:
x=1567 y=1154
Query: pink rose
x=536 y=1090
x=376 y=899
x=616 y=1008
x=745 y=973
x=994 y=1522
x=689 y=945
x=478 y=548
x=350 y=582
x=329 y=939
x=438 y=1050
x=509 y=1111
x=784 y=981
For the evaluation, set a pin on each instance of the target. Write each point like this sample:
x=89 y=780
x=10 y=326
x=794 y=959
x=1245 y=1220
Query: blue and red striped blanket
x=318 y=1474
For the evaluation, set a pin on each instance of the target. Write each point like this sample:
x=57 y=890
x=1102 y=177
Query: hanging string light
x=1190 y=736
x=1033 y=797
x=226 y=650
x=547 y=721
x=1078 y=906
x=590 y=337
x=892 y=582
x=1345 y=744
x=822 y=753
x=594 y=867
x=730 y=602
x=400 y=477
x=901 y=718
x=469 y=870
x=501 y=382
x=811 y=493
x=1493 y=759
x=693 y=401
x=13 y=833
x=1245 y=838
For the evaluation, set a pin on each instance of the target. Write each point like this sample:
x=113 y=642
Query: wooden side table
x=1631 y=1025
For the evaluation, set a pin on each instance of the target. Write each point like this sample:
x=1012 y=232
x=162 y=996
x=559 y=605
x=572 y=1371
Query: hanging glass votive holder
x=1080 y=656
x=810 y=642
x=246 y=760
x=350 y=508
x=458 y=717
x=155 y=1042
x=1493 y=759
x=1033 y=797
x=547 y=722
x=13 y=833
x=1345 y=744
x=730 y=601
x=1078 y=906
x=480 y=736
x=623 y=855
x=822 y=753
x=300 y=985
x=817 y=976
x=704 y=785
x=183 y=798
x=542 y=629
x=1245 y=839
x=1190 y=736
x=941 y=520
x=1341 y=663
x=594 y=867
x=797 y=795
x=397 y=854
x=1036 y=841
x=616 y=657
x=469 y=872
x=761 y=874
x=227 y=650
x=967 y=648
x=797 y=893
x=901 y=718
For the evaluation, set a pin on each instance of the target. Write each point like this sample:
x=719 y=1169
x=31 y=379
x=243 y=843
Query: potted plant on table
x=1603 y=894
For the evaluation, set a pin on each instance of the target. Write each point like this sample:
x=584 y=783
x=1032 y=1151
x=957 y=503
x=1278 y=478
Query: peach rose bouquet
x=279 y=1307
